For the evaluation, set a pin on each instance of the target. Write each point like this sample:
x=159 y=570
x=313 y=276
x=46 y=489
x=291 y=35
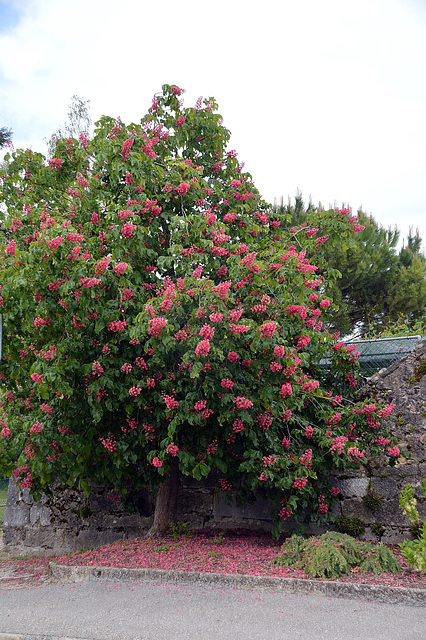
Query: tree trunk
x=166 y=502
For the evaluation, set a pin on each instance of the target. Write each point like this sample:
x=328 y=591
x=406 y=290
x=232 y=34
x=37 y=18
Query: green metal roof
x=375 y=355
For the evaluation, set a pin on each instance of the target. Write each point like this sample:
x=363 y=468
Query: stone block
x=259 y=510
x=352 y=487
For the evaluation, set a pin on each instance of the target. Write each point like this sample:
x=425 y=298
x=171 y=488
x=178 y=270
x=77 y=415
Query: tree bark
x=167 y=502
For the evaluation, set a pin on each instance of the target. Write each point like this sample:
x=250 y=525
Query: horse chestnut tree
x=161 y=319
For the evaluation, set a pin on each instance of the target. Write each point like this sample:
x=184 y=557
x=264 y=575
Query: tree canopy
x=161 y=319
x=379 y=285
x=5 y=136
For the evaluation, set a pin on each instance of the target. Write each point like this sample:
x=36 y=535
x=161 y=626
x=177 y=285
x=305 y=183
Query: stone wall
x=403 y=384
x=69 y=521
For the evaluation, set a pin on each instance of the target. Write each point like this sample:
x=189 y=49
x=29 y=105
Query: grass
x=3 y=496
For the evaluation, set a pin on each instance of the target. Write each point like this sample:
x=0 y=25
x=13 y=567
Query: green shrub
x=352 y=526
x=414 y=551
x=333 y=554
x=372 y=499
x=179 y=529
x=378 y=529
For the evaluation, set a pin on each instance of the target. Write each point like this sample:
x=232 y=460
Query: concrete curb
x=376 y=593
x=26 y=636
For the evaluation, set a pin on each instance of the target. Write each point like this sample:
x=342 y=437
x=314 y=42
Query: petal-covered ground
x=233 y=552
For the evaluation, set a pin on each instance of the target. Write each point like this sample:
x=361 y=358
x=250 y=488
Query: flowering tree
x=161 y=320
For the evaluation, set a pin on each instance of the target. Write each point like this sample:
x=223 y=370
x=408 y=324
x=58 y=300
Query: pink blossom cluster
x=172 y=449
x=126 y=213
x=47 y=409
x=226 y=383
x=109 y=442
x=170 y=402
x=393 y=451
x=135 y=391
x=81 y=180
x=37 y=377
x=243 y=403
x=97 y=368
x=269 y=461
x=212 y=448
x=382 y=441
x=36 y=427
x=150 y=383
x=334 y=419
x=235 y=314
x=202 y=348
x=238 y=426
x=267 y=329
x=303 y=341
x=183 y=188
x=156 y=325
x=310 y=385
x=310 y=284
x=127 y=294
x=279 y=351
x=120 y=268
x=156 y=462
x=180 y=121
x=102 y=265
x=55 y=242
x=354 y=453
x=11 y=248
x=284 y=513
x=197 y=272
x=181 y=335
x=216 y=317
x=128 y=230
x=237 y=329
x=206 y=332
x=306 y=458
x=140 y=362
x=323 y=506
x=125 y=149
x=224 y=484
x=299 y=483
x=222 y=289
x=41 y=322
x=117 y=325
x=55 y=162
x=383 y=413
x=264 y=421
x=309 y=432
x=89 y=282
x=126 y=368
x=286 y=389
x=339 y=444
x=5 y=432
x=262 y=217
x=200 y=405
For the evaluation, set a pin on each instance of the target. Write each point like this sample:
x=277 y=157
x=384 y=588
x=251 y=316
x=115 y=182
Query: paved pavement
x=105 y=609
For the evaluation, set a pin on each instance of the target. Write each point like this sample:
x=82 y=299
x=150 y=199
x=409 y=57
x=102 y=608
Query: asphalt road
x=107 y=610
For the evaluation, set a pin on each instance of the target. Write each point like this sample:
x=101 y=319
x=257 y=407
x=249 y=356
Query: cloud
x=325 y=96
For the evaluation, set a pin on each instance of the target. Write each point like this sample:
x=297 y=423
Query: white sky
x=328 y=96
